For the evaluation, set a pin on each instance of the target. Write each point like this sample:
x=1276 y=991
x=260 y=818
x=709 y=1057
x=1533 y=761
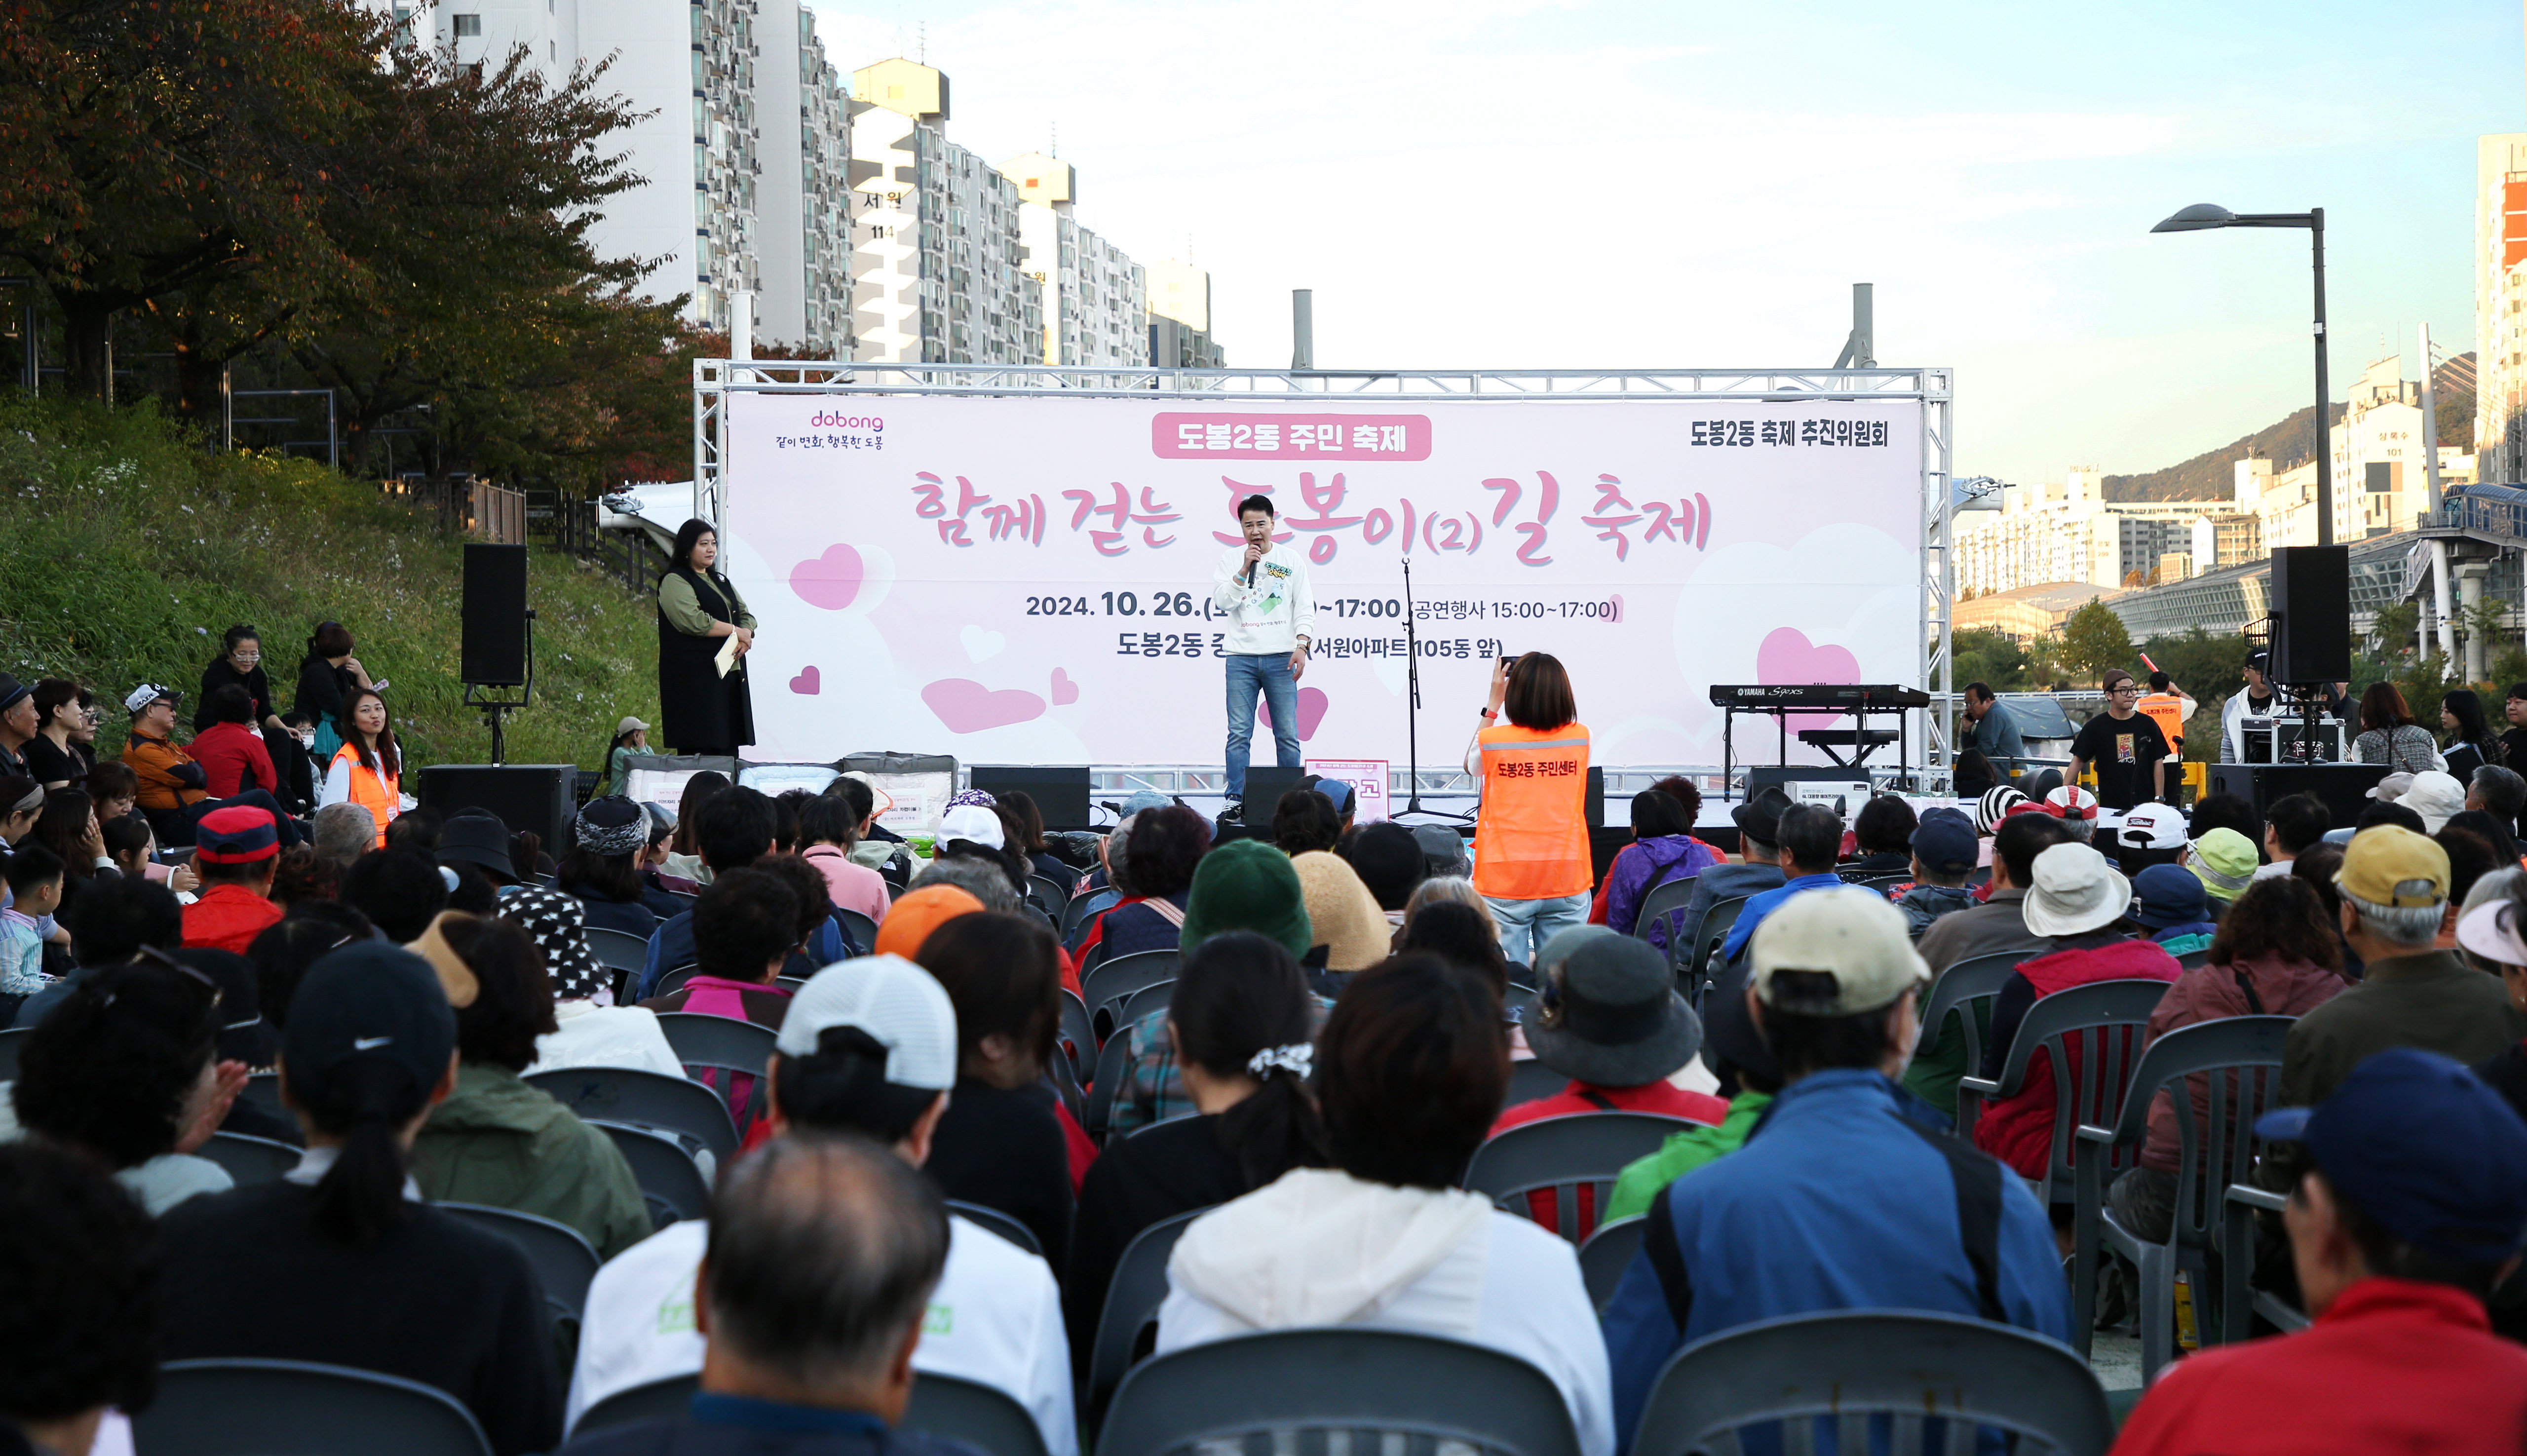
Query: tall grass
x=126 y=551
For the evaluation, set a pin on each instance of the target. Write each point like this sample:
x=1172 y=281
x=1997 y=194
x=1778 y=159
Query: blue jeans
x=1525 y=925
x=1269 y=673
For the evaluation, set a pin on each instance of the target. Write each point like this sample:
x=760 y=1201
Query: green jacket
x=1940 y=1062
x=1681 y=1153
x=500 y=1142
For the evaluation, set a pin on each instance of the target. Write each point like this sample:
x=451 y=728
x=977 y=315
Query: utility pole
x=1860 y=350
x=1302 y=330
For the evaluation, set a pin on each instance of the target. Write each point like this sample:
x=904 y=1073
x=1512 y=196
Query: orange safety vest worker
x=1531 y=835
x=380 y=793
x=2167 y=711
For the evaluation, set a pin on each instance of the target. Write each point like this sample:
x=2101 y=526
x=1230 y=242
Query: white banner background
x=1026 y=579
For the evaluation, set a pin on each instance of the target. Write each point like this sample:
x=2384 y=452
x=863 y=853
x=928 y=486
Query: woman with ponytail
x=1242 y=1023
x=340 y=1261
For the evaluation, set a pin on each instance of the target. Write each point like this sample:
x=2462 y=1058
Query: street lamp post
x=2203 y=215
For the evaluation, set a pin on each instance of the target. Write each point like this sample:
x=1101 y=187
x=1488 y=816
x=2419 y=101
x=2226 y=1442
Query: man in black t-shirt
x=2125 y=747
x=2513 y=744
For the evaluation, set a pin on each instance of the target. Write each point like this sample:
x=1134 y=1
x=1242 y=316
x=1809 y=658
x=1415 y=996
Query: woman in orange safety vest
x=1531 y=832
x=368 y=768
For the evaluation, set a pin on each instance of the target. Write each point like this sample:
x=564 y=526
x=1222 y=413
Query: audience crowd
x=968 y=1106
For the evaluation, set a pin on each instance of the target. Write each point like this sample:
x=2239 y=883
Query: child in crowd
x=34 y=892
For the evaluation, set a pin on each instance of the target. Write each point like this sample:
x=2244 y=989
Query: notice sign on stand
x=1367 y=780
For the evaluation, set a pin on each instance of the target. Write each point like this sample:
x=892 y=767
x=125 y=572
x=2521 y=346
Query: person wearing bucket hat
x=2168 y=901
x=1757 y=866
x=1848 y=1195
x=588 y=1028
x=2077 y=902
x=477 y=840
x=2225 y=861
x=1608 y=1016
x=1748 y=1075
x=2435 y=796
x=2414 y=1207
x=369 y=1049
x=1995 y=927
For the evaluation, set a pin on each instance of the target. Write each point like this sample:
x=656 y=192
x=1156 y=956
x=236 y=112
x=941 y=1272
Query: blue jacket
x=1718 y=883
x=1760 y=906
x=1997 y=735
x=1847 y=1195
x=672 y=945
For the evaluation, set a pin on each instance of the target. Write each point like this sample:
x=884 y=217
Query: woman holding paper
x=704 y=632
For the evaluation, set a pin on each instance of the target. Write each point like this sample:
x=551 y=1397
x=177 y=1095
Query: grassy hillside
x=126 y=551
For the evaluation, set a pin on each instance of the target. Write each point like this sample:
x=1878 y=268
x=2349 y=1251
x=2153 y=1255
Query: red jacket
x=2210 y=993
x=1662 y=1097
x=226 y=752
x=228 y=918
x=2019 y=1130
x=2392 y=1365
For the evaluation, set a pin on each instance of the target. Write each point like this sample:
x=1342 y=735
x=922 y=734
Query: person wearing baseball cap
x=1945 y=851
x=2414 y=1206
x=2256 y=700
x=2147 y=834
x=1758 y=867
x=2076 y=807
x=2077 y=904
x=2169 y=902
x=1997 y=926
x=2393 y=884
x=236 y=852
x=323 y=1254
x=631 y=740
x=868 y=1051
x=1850 y=1194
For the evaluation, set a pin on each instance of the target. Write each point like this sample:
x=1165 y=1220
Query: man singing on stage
x=1263 y=588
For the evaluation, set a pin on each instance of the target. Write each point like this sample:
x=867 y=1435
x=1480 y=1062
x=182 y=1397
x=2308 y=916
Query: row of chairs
x=1875 y=1380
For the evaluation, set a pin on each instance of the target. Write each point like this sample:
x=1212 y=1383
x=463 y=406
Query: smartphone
x=1509 y=659
x=379 y=686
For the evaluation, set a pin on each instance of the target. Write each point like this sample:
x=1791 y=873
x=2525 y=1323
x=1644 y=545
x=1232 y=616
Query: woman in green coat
x=700 y=712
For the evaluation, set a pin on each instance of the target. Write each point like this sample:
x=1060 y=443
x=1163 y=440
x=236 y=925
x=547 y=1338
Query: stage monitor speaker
x=526 y=796
x=493 y=652
x=2311 y=596
x=1059 y=792
x=1596 y=798
x=1263 y=790
x=2345 y=787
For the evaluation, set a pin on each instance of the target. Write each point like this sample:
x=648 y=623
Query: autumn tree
x=2093 y=640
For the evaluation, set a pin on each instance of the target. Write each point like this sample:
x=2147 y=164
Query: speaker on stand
x=2312 y=631
x=498 y=645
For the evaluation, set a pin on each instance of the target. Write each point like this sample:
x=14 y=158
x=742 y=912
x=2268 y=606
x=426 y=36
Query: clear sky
x=1516 y=183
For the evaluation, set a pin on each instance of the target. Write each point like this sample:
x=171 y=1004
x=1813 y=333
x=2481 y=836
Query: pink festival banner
x=1028 y=579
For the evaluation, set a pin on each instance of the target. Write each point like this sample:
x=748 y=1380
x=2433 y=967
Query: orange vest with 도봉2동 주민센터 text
x=1531 y=836
x=381 y=795
x=2167 y=711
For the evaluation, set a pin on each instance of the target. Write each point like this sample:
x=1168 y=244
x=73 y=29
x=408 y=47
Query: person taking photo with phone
x=1262 y=590
x=1531 y=832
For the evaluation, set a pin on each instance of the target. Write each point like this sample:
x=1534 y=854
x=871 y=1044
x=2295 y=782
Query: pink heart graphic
x=967 y=706
x=1787 y=656
x=1064 y=691
x=1312 y=703
x=807 y=682
x=831 y=581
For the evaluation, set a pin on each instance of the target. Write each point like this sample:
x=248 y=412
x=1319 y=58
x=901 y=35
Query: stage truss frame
x=715 y=379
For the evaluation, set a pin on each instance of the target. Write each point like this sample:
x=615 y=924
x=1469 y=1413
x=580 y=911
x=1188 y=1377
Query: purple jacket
x=1650 y=864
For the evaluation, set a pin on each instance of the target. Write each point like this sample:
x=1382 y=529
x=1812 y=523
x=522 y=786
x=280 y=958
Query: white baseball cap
x=974 y=823
x=2151 y=826
x=1846 y=932
x=896 y=1002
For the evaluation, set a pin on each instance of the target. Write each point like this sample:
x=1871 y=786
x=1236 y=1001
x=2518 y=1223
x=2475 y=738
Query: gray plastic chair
x=674 y=981
x=1561 y=1154
x=1666 y=904
x=1143 y=1002
x=864 y=929
x=644 y=1099
x=1109 y=984
x=564 y=1262
x=2194 y=959
x=1076 y=914
x=664 y=1399
x=1894 y=1370
x=1078 y=1032
x=2241 y=1060
x=296 y=1408
x=1605 y=1254
x=1132 y=1300
x=2238 y=1203
x=670 y=1179
x=2106 y=1020
x=993 y=1221
x=617 y=950
x=1107 y=1084
x=1364 y=1385
x=13 y=1042
x=1065 y=1085
x=1051 y=896
x=250 y=1160
x=979 y=1415
x=1532 y=1079
x=1964 y=991
x=719 y=1041
x=1717 y=922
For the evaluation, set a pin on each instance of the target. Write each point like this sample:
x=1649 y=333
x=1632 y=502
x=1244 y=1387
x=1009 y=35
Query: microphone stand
x=1412 y=714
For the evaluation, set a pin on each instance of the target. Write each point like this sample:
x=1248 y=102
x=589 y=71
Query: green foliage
x=2093 y=640
x=124 y=554
x=1982 y=654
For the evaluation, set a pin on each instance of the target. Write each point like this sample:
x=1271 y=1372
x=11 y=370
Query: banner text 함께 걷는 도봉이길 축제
x=1028 y=579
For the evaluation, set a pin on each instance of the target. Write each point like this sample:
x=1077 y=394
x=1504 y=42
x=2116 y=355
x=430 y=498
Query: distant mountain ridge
x=2210 y=477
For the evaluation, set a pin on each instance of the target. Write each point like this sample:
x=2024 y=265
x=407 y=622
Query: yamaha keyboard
x=1816 y=696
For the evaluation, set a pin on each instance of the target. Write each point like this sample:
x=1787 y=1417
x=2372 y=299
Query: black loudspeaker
x=1596 y=798
x=2311 y=600
x=1263 y=790
x=494 y=651
x=526 y=796
x=1060 y=792
x=2345 y=787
